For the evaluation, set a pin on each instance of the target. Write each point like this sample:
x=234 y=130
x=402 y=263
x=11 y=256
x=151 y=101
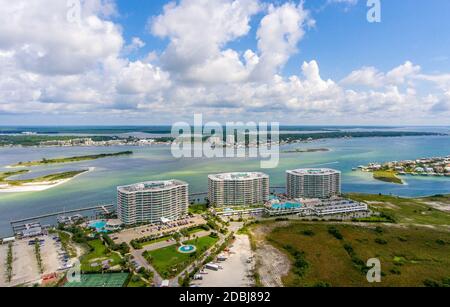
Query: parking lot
x=25 y=266
x=235 y=271
x=135 y=233
x=53 y=256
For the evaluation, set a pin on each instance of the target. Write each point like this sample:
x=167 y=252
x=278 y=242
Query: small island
x=306 y=150
x=35 y=184
x=70 y=159
x=387 y=176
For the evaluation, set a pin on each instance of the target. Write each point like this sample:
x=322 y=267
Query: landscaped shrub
x=78 y=235
x=436 y=284
x=357 y=262
x=395 y=271
x=388 y=217
x=440 y=242
x=300 y=264
x=9 y=261
x=122 y=248
x=308 y=233
x=379 y=230
x=335 y=233
x=381 y=241
x=431 y=283
x=322 y=284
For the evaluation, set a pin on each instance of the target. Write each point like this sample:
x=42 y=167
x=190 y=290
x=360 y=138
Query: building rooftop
x=238 y=176
x=313 y=171
x=151 y=186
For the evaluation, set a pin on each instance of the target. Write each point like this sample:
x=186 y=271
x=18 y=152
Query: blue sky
x=252 y=59
x=342 y=40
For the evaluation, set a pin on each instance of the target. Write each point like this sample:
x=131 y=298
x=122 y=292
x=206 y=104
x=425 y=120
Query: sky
x=139 y=62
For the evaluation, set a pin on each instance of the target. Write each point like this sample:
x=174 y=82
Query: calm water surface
x=155 y=163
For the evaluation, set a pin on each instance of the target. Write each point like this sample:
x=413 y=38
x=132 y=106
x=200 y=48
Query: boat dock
x=19 y=224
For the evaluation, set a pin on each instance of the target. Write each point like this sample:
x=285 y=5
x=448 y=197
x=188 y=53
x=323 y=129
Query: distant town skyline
x=131 y=62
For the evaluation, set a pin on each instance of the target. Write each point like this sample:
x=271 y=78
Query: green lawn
x=195 y=230
x=98 y=254
x=137 y=282
x=169 y=262
x=409 y=256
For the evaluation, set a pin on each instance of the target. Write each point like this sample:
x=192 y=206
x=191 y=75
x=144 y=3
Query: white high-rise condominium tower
x=313 y=183
x=233 y=189
x=152 y=202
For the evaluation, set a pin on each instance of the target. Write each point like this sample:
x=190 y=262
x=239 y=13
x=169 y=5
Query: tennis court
x=113 y=280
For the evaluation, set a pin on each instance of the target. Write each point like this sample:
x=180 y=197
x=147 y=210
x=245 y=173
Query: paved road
x=137 y=254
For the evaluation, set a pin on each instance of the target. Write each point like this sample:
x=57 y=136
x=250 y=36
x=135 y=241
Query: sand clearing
x=236 y=272
x=272 y=264
x=25 y=266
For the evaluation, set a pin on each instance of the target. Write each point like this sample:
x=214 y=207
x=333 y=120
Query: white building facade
x=313 y=183
x=152 y=202
x=234 y=189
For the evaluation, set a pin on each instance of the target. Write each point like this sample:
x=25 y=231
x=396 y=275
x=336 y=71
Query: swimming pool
x=286 y=206
x=100 y=226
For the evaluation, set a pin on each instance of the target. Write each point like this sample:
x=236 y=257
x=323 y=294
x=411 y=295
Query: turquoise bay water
x=156 y=163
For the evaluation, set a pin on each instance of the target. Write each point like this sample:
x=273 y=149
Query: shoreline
x=38 y=186
x=67 y=160
x=317 y=136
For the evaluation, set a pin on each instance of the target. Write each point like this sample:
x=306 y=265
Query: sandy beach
x=37 y=186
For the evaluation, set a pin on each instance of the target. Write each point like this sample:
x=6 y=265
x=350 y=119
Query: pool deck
x=287 y=206
x=99 y=226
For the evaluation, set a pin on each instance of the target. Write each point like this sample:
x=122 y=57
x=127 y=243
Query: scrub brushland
x=387 y=176
x=410 y=238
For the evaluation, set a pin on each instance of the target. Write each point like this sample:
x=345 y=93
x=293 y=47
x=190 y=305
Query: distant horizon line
x=170 y=125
